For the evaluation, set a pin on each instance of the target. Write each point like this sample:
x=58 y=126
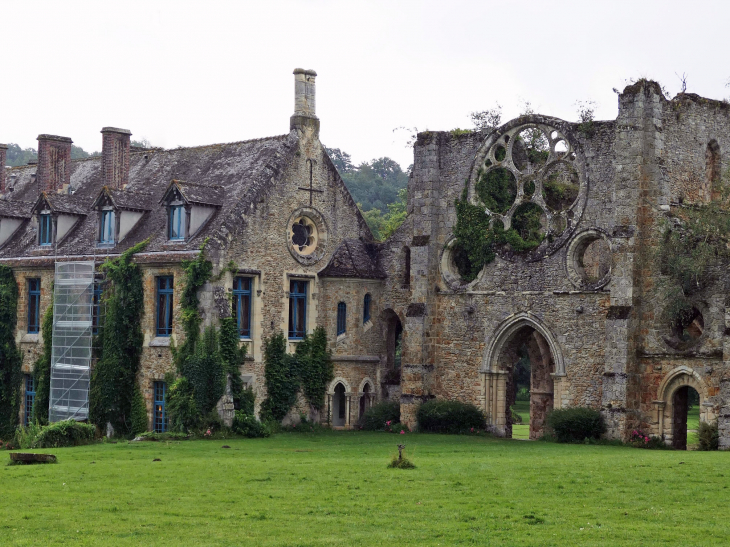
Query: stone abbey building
x=584 y=303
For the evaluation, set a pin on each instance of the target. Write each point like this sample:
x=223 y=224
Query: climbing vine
x=232 y=356
x=10 y=356
x=114 y=379
x=315 y=367
x=42 y=370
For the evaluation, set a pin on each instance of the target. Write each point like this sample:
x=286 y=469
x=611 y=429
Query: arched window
x=341 y=318
x=366 y=308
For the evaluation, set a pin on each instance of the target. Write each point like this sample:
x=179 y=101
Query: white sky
x=200 y=72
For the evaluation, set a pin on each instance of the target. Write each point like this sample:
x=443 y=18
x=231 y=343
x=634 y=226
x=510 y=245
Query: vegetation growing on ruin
x=42 y=370
x=113 y=382
x=691 y=253
x=10 y=356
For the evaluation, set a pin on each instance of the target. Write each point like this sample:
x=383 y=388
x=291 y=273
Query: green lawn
x=334 y=489
x=521 y=431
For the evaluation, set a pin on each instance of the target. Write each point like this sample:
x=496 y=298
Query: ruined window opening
x=34 y=305
x=687 y=326
x=685 y=414
x=712 y=161
x=242 y=305
x=365 y=399
x=407 y=269
x=393 y=343
x=341 y=318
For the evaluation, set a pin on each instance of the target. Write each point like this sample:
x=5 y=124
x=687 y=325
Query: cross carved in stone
x=311 y=189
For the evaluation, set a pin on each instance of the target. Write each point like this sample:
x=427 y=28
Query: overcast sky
x=184 y=73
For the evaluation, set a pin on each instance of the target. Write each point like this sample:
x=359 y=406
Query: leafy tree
x=282 y=378
x=10 y=357
x=20 y=156
x=42 y=370
x=486 y=120
x=315 y=367
x=342 y=160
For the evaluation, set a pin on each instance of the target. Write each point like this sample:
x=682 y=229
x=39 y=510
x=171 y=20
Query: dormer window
x=108 y=227
x=45 y=229
x=176 y=223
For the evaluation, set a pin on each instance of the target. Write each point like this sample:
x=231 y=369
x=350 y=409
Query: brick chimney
x=304 y=101
x=115 y=157
x=3 y=157
x=54 y=163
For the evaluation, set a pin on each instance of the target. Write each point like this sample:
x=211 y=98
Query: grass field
x=333 y=488
x=521 y=431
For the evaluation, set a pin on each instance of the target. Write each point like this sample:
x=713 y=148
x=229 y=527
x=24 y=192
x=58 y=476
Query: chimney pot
x=54 y=163
x=115 y=157
x=304 y=101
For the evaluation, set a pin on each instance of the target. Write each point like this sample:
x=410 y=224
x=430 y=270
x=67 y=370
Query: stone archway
x=339 y=397
x=521 y=335
x=671 y=405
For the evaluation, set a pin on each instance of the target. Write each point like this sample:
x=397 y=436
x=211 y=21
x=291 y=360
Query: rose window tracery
x=303 y=235
x=529 y=178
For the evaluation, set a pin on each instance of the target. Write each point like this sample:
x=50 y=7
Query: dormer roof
x=196 y=194
x=123 y=199
x=61 y=203
x=16 y=209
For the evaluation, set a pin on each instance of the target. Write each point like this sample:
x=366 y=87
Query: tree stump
x=25 y=457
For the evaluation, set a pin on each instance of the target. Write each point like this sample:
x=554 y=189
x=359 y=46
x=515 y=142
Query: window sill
x=160 y=342
x=29 y=338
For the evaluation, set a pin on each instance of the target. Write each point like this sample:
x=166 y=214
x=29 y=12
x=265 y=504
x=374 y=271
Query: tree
x=486 y=120
x=20 y=156
x=342 y=160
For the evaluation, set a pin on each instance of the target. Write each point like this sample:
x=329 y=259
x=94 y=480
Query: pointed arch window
x=341 y=318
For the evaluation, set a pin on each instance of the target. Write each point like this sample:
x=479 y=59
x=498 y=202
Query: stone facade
x=584 y=305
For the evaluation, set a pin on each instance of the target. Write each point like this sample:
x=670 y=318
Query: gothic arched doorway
x=521 y=358
x=339 y=406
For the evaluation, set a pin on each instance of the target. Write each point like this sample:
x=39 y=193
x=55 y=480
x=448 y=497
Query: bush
x=26 y=436
x=571 y=425
x=181 y=408
x=248 y=425
x=441 y=416
x=247 y=400
x=66 y=433
x=639 y=439
x=396 y=427
x=375 y=417
x=709 y=436
x=139 y=413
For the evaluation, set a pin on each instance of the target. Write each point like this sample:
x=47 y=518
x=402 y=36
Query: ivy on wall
x=309 y=369
x=10 y=356
x=42 y=370
x=113 y=382
x=232 y=356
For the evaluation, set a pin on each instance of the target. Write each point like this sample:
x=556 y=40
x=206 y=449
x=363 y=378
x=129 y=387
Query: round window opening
x=589 y=260
x=303 y=233
x=687 y=326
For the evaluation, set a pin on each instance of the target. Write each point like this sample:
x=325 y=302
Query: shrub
x=282 y=378
x=377 y=415
x=248 y=425
x=709 y=436
x=575 y=424
x=66 y=433
x=247 y=400
x=639 y=439
x=181 y=407
x=442 y=416
x=10 y=357
x=139 y=412
x=396 y=427
x=26 y=436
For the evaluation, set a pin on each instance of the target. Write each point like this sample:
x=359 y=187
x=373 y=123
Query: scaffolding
x=73 y=304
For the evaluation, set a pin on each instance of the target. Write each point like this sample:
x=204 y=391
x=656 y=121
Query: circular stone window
x=530 y=177
x=455 y=266
x=686 y=327
x=589 y=260
x=306 y=235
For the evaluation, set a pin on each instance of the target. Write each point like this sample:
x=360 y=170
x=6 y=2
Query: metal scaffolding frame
x=73 y=297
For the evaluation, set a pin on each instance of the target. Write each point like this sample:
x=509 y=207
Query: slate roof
x=355 y=258
x=15 y=208
x=199 y=193
x=238 y=171
x=122 y=199
x=63 y=203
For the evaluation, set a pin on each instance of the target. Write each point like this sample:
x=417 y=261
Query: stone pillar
x=3 y=158
x=54 y=163
x=115 y=157
x=723 y=418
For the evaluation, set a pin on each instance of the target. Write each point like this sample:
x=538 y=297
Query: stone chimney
x=115 y=157
x=54 y=163
x=304 y=101
x=3 y=157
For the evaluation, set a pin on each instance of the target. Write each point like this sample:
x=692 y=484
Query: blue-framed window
x=160 y=419
x=176 y=223
x=160 y=422
x=45 y=228
x=108 y=227
x=96 y=309
x=242 y=305
x=341 y=318
x=366 y=308
x=297 y=309
x=164 y=305
x=29 y=397
x=34 y=304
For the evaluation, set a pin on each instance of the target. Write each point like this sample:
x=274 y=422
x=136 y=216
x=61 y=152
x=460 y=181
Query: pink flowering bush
x=640 y=439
